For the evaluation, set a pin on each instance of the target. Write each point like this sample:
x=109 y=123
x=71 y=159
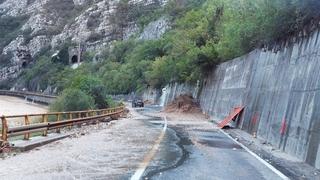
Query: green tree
x=73 y=100
x=92 y=86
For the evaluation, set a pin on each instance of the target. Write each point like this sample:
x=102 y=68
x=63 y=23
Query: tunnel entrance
x=75 y=54
x=24 y=64
x=74 y=59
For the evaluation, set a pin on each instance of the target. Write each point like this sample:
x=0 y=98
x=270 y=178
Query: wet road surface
x=195 y=150
x=188 y=150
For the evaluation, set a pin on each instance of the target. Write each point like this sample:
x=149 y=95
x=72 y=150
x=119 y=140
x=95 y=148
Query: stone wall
x=280 y=90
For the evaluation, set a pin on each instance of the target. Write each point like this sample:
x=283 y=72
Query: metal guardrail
x=41 y=98
x=25 y=93
x=52 y=121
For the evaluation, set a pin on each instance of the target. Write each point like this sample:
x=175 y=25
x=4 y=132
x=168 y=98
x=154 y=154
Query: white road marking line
x=147 y=159
x=276 y=171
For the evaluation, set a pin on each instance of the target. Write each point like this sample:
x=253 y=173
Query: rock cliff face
x=47 y=24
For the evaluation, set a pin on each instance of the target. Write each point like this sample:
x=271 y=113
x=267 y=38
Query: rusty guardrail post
x=4 y=129
x=79 y=116
x=70 y=117
x=45 y=120
x=58 y=119
x=26 y=122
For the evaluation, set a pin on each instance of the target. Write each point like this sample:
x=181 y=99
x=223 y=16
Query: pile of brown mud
x=148 y=102
x=184 y=104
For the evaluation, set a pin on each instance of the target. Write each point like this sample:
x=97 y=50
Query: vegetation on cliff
x=203 y=34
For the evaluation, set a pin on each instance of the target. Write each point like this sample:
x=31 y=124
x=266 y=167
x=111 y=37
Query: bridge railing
x=36 y=97
x=26 y=125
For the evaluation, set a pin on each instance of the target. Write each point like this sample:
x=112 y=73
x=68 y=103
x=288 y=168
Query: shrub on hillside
x=98 y=93
x=73 y=100
x=90 y=85
x=111 y=103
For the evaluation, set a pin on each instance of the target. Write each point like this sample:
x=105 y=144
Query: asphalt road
x=196 y=151
x=139 y=147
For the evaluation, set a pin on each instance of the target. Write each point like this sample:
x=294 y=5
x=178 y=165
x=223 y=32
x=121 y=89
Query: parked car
x=137 y=103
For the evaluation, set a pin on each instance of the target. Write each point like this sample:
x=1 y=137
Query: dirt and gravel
x=183 y=103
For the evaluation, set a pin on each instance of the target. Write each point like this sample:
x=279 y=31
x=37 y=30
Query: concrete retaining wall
x=280 y=91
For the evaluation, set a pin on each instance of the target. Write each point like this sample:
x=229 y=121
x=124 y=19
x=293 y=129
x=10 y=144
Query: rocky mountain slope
x=32 y=26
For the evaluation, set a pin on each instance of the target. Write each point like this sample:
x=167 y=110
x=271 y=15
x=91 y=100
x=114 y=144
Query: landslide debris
x=184 y=104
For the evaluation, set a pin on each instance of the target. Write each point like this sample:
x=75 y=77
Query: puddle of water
x=219 y=144
x=213 y=137
x=185 y=141
x=205 y=130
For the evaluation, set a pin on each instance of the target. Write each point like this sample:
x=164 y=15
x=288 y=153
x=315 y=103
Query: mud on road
x=106 y=151
x=190 y=149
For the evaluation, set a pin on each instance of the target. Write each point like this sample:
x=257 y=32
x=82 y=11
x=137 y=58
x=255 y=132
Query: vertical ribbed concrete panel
x=280 y=91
